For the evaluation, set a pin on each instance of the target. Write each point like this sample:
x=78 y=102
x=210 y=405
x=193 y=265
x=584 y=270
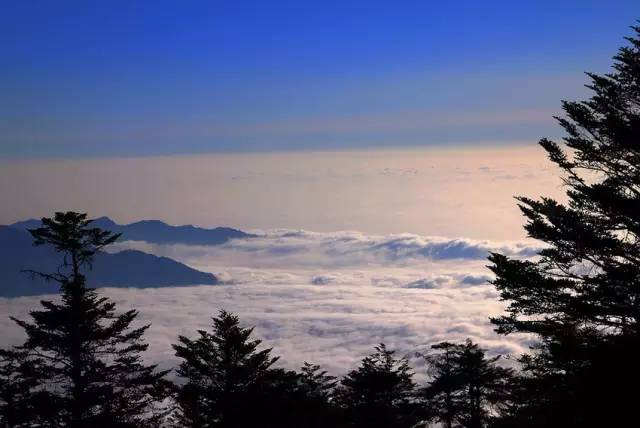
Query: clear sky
x=130 y=78
x=432 y=191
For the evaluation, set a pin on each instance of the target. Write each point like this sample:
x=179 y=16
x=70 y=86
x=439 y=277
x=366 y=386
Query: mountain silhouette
x=128 y=268
x=158 y=232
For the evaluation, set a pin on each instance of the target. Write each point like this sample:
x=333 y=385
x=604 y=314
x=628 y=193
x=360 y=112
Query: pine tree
x=316 y=382
x=379 y=393
x=17 y=382
x=581 y=298
x=224 y=375
x=317 y=403
x=466 y=387
x=89 y=360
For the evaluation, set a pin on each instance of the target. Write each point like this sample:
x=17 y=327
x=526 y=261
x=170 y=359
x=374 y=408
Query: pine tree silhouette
x=317 y=382
x=18 y=380
x=379 y=393
x=88 y=357
x=582 y=297
x=224 y=373
x=466 y=387
x=317 y=403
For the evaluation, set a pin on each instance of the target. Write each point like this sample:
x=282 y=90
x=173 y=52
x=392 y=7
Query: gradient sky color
x=123 y=78
x=452 y=192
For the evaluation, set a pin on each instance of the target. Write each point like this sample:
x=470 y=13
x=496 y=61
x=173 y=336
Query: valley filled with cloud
x=326 y=298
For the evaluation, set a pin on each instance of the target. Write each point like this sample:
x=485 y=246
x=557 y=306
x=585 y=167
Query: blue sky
x=94 y=79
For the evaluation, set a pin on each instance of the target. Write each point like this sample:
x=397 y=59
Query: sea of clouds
x=326 y=298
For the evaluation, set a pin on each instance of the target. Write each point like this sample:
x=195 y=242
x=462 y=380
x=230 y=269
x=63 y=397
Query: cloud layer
x=305 y=249
x=326 y=298
x=331 y=325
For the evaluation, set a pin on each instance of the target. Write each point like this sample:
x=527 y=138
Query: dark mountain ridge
x=128 y=268
x=158 y=232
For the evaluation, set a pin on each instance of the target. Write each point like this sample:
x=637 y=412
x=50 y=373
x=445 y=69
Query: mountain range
x=158 y=232
x=129 y=268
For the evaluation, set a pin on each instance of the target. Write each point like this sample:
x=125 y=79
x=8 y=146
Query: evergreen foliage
x=223 y=372
x=582 y=297
x=229 y=382
x=380 y=392
x=17 y=384
x=88 y=357
x=466 y=389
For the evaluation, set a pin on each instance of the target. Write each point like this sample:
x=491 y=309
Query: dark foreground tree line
x=81 y=364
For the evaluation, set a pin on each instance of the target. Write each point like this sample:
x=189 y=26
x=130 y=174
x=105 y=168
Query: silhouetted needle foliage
x=380 y=393
x=18 y=386
x=81 y=358
x=466 y=389
x=223 y=370
x=230 y=382
x=582 y=297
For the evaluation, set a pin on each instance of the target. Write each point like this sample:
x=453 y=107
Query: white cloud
x=332 y=325
x=429 y=283
x=305 y=249
x=324 y=297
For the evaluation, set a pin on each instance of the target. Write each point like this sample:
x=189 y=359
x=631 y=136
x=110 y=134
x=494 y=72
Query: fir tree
x=89 y=360
x=466 y=387
x=224 y=374
x=17 y=384
x=316 y=382
x=379 y=393
x=317 y=402
x=282 y=401
x=581 y=298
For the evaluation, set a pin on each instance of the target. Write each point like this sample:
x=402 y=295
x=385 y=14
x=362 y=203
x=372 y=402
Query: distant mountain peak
x=151 y=222
x=129 y=268
x=104 y=219
x=158 y=232
x=27 y=224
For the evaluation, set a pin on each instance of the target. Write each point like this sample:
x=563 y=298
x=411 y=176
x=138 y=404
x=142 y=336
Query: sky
x=452 y=191
x=381 y=117
x=118 y=79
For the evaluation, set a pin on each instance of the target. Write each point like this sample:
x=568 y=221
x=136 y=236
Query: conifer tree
x=17 y=383
x=581 y=298
x=284 y=400
x=317 y=382
x=379 y=393
x=317 y=403
x=224 y=374
x=88 y=357
x=466 y=387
